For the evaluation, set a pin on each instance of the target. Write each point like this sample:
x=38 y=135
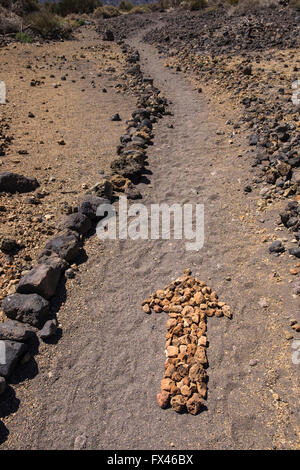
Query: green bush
x=24 y=7
x=295 y=4
x=80 y=22
x=153 y=6
x=165 y=4
x=197 y=4
x=47 y=25
x=140 y=9
x=243 y=7
x=108 y=11
x=125 y=5
x=25 y=38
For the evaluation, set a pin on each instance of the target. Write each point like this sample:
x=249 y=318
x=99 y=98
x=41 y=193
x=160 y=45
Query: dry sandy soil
x=70 y=141
x=96 y=387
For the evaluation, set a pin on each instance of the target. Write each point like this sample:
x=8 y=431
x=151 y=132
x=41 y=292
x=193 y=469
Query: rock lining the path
x=15 y=331
x=26 y=308
x=42 y=279
x=13 y=353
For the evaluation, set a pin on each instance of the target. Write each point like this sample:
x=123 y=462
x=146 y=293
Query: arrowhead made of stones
x=11 y=353
x=15 y=331
x=31 y=308
x=13 y=182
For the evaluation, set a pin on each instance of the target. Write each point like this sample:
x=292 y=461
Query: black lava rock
x=12 y=352
x=31 y=308
x=276 y=247
x=13 y=182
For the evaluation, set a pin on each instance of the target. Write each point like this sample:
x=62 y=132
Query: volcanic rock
x=13 y=182
x=49 y=329
x=42 y=279
x=89 y=204
x=78 y=222
x=13 y=352
x=15 y=331
x=66 y=245
x=32 y=308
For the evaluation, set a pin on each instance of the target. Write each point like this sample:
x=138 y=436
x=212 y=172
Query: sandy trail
x=101 y=379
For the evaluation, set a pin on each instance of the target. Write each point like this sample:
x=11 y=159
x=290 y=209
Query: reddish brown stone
x=194 y=404
x=178 y=403
x=163 y=399
x=172 y=351
x=166 y=384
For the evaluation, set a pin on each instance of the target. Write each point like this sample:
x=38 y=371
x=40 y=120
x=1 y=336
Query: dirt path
x=99 y=383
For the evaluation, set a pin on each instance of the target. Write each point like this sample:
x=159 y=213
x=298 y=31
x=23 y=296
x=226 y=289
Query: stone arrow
x=189 y=302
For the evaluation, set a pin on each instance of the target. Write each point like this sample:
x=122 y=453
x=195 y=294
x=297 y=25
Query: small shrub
x=5 y=3
x=24 y=7
x=197 y=4
x=108 y=11
x=165 y=4
x=246 y=6
x=125 y=5
x=139 y=10
x=25 y=38
x=295 y=4
x=67 y=7
x=9 y=25
x=153 y=6
x=80 y=22
x=47 y=25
